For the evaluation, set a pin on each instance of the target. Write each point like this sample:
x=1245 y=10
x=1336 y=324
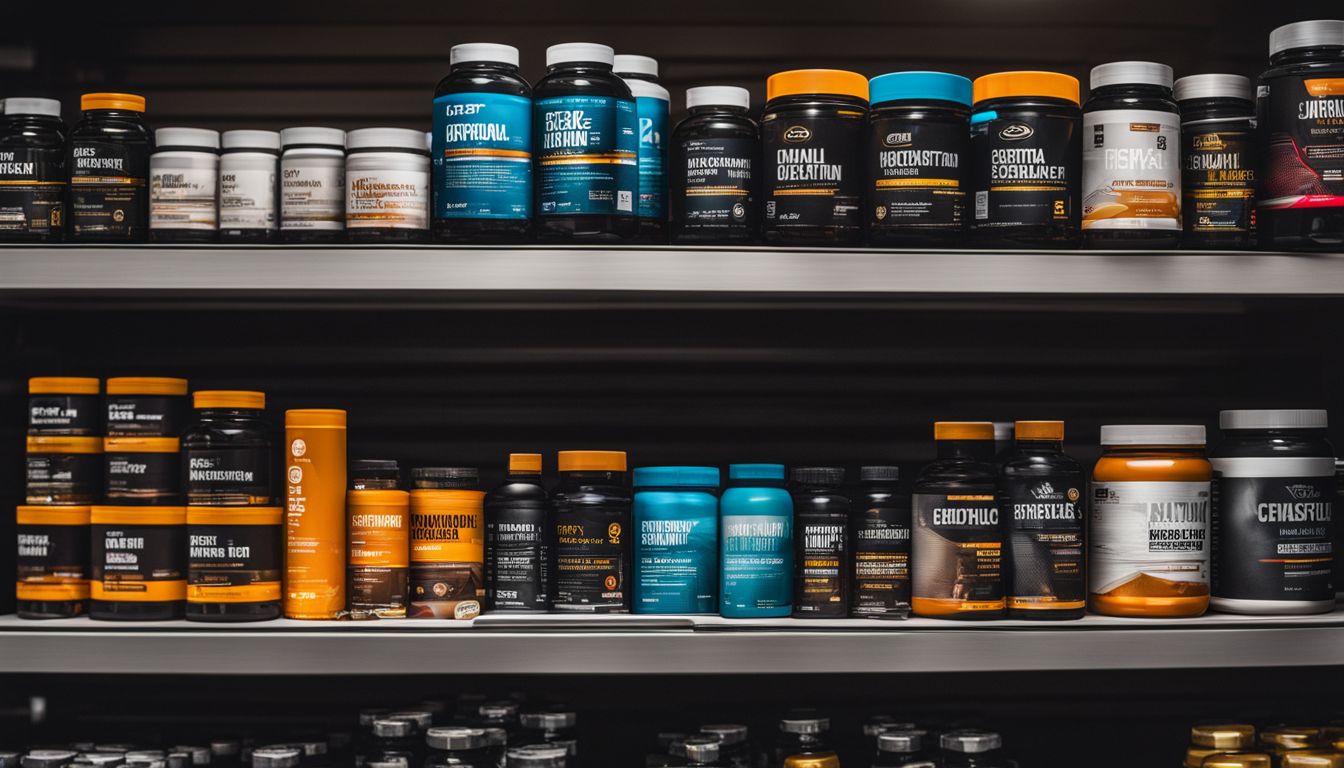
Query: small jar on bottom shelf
x=53 y=562
x=234 y=563
x=139 y=563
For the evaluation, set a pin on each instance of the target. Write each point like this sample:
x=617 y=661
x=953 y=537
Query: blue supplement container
x=756 y=546
x=676 y=517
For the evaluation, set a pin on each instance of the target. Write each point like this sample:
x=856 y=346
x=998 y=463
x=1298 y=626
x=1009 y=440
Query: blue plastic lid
x=922 y=86
x=688 y=477
x=756 y=472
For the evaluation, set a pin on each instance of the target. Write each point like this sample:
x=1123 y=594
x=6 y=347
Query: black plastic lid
x=549 y=721
x=276 y=757
x=818 y=475
x=879 y=474
x=464 y=478
x=393 y=728
x=374 y=465
x=47 y=758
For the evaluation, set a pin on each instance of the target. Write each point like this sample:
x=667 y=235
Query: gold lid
x=1237 y=760
x=1224 y=736
x=1194 y=756
x=1311 y=758
x=1290 y=737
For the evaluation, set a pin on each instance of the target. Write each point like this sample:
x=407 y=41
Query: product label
x=387 y=199
x=1131 y=169
x=822 y=554
x=32 y=190
x=715 y=199
x=588 y=158
x=312 y=193
x=62 y=478
x=228 y=476
x=1218 y=180
x=183 y=198
x=233 y=563
x=652 y=114
x=144 y=415
x=757 y=561
x=918 y=173
x=447 y=559
x=63 y=415
x=1303 y=158
x=53 y=562
x=378 y=565
x=882 y=561
x=141 y=478
x=676 y=549
x=1025 y=170
x=1149 y=538
x=1044 y=520
x=515 y=558
x=958 y=553
x=109 y=195
x=482 y=152
x=592 y=558
x=246 y=197
x=139 y=563
x=813 y=170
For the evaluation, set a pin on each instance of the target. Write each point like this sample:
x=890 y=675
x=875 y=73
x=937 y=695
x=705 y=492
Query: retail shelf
x=665 y=645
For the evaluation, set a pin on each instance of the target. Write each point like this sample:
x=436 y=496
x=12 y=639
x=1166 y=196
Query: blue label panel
x=652 y=157
x=676 y=552
x=587 y=156
x=482 y=151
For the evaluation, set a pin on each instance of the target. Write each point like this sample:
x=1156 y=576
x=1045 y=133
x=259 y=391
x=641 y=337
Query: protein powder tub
x=386 y=186
x=53 y=562
x=109 y=170
x=586 y=136
x=812 y=134
x=1026 y=141
x=715 y=154
x=227 y=451
x=652 y=105
x=146 y=406
x=1131 y=158
x=447 y=576
x=33 y=175
x=139 y=563
x=676 y=519
x=233 y=563
x=1273 y=525
x=482 y=147
x=919 y=148
x=248 y=169
x=64 y=405
x=1148 y=540
x=1299 y=110
x=592 y=533
x=312 y=185
x=1218 y=166
x=377 y=563
x=184 y=186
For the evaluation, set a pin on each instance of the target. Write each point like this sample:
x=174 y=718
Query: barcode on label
x=982 y=204
x=625 y=200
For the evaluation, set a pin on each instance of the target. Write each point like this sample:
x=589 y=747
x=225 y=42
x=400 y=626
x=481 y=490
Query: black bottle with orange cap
x=591 y=544
x=109 y=170
x=515 y=539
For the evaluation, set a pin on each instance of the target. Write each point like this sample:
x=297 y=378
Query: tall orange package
x=314 y=513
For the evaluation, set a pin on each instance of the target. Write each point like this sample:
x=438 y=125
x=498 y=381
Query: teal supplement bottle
x=756 y=544
x=652 y=109
x=676 y=517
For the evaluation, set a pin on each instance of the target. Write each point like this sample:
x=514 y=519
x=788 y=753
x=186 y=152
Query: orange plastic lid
x=798 y=82
x=146 y=385
x=1000 y=85
x=141 y=444
x=63 y=444
x=1039 y=430
x=63 y=385
x=229 y=398
x=525 y=462
x=52 y=515
x=377 y=497
x=139 y=515
x=124 y=101
x=591 y=461
x=315 y=417
x=963 y=430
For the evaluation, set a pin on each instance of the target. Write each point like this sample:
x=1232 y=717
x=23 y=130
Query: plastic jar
x=63 y=405
x=33 y=176
x=971 y=749
x=227 y=451
x=881 y=545
x=63 y=470
x=248 y=168
x=139 y=563
x=547 y=727
x=591 y=515
x=652 y=108
x=312 y=185
x=447 y=577
x=143 y=471
x=1026 y=145
x=676 y=517
x=1148 y=540
x=734 y=747
x=234 y=563
x=516 y=512
x=1272 y=516
x=386 y=186
x=184 y=186
x=146 y=406
x=465 y=747
x=919 y=148
x=537 y=756
x=898 y=748
x=1218 y=161
x=377 y=564
x=812 y=134
x=714 y=169
x=756 y=543
x=823 y=553
x=109 y=170
x=53 y=562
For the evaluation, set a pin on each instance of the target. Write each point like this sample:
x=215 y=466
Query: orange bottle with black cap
x=315 y=549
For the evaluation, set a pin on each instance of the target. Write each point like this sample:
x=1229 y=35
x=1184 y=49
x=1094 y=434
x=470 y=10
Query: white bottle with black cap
x=652 y=106
x=312 y=185
x=184 y=186
x=1218 y=160
x=248 y=167
x=386 y=186
x=33 y=176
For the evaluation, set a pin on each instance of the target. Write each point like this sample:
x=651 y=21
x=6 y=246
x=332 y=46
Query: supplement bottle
x=248 y=169
x=702 y=752
x=676 y=519
x=482 y=147
x=881 y=545
x=109 y=170
x=587 y=156
x=467 y=747
x=396 y=740
x=919 y=148
x=822 y=550
x=537 y=756
x=233 y=563
x=734 y=746
x=1218 y=161
x=374 y=475
x=898 y=748
x=146 y=406
x=1131 y=158
x=1298 y=106
x=972 y=749
x=139 y=563
x=1148 y=540
x=1273 y=523
x=378 y=565
x=226 y=453
x=652 y=105
x=812 y=135
x=957 y=544
x=53 y=561
x=756 y=543
x=312 y=185
x=64 y=405
x=1041 y=498
x=805 y=740
x=184 y=186
x=592 y=533
x=1026 y=145
x=276 y=757
x=143 y=471
x=715 y=156
x=516 y=550
x=447 y=553
x=386 y=186
x=547 y=727
x=33 y=175
x=315 y=517
x=63 y=470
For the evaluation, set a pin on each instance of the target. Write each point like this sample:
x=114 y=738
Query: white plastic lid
x=204 y=138
x=385 y=138
x=1283 y=418
x=630 y=64
x=1306 y=34
x=429 y=140
x=503 y=54
x=1153 y=434
x=718 y=95
x=567 y=52
x=330 y=137
x=22 y=106
x=1127 y=72
x=244 y=139
x=1213 y=87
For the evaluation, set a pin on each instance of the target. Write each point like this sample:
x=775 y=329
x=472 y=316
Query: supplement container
x=587 y=148
x=592 y=518
x=63 y=405
x=234 y=563
x=676 y=518
x=33 y=175
x=374 y=475
x=315 y=517
x=1026 y=145
x=248 y=169
x=109 y=170
x=555 y=727
x=467 y=747
x=1218 y=161
x=812 y=135
x=1148 y=538
x=276 y=757
x=226 y=452
x=447 y=553
x=881 y=528
x=184 y=186
x=394 y=740
x=386 y=186
x=378 y=565
x=1299 y=105
x=652 y=105
x=898 y=748
x=143 y=471
x=312 y=185
x=715 y=160
x=482 y=148
x=146 y=406
x=701 y=751
x=446 y=478
x=803 y=735
x=919 y=148
x=1273 y=527
x=734 y=746
x=1043 y=503
x=537 y=756
x=756 y=543
x=139 y=563
x=822 y=551
x=53 y=562
x=516 y=535
x=971 y=749
x=957 y=544
x=63 y=470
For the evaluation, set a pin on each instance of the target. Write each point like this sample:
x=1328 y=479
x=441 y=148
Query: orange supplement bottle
x=314 y=513
x=53 y=562
x=377 y=569
x=1149 y=536
x=447 y=553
